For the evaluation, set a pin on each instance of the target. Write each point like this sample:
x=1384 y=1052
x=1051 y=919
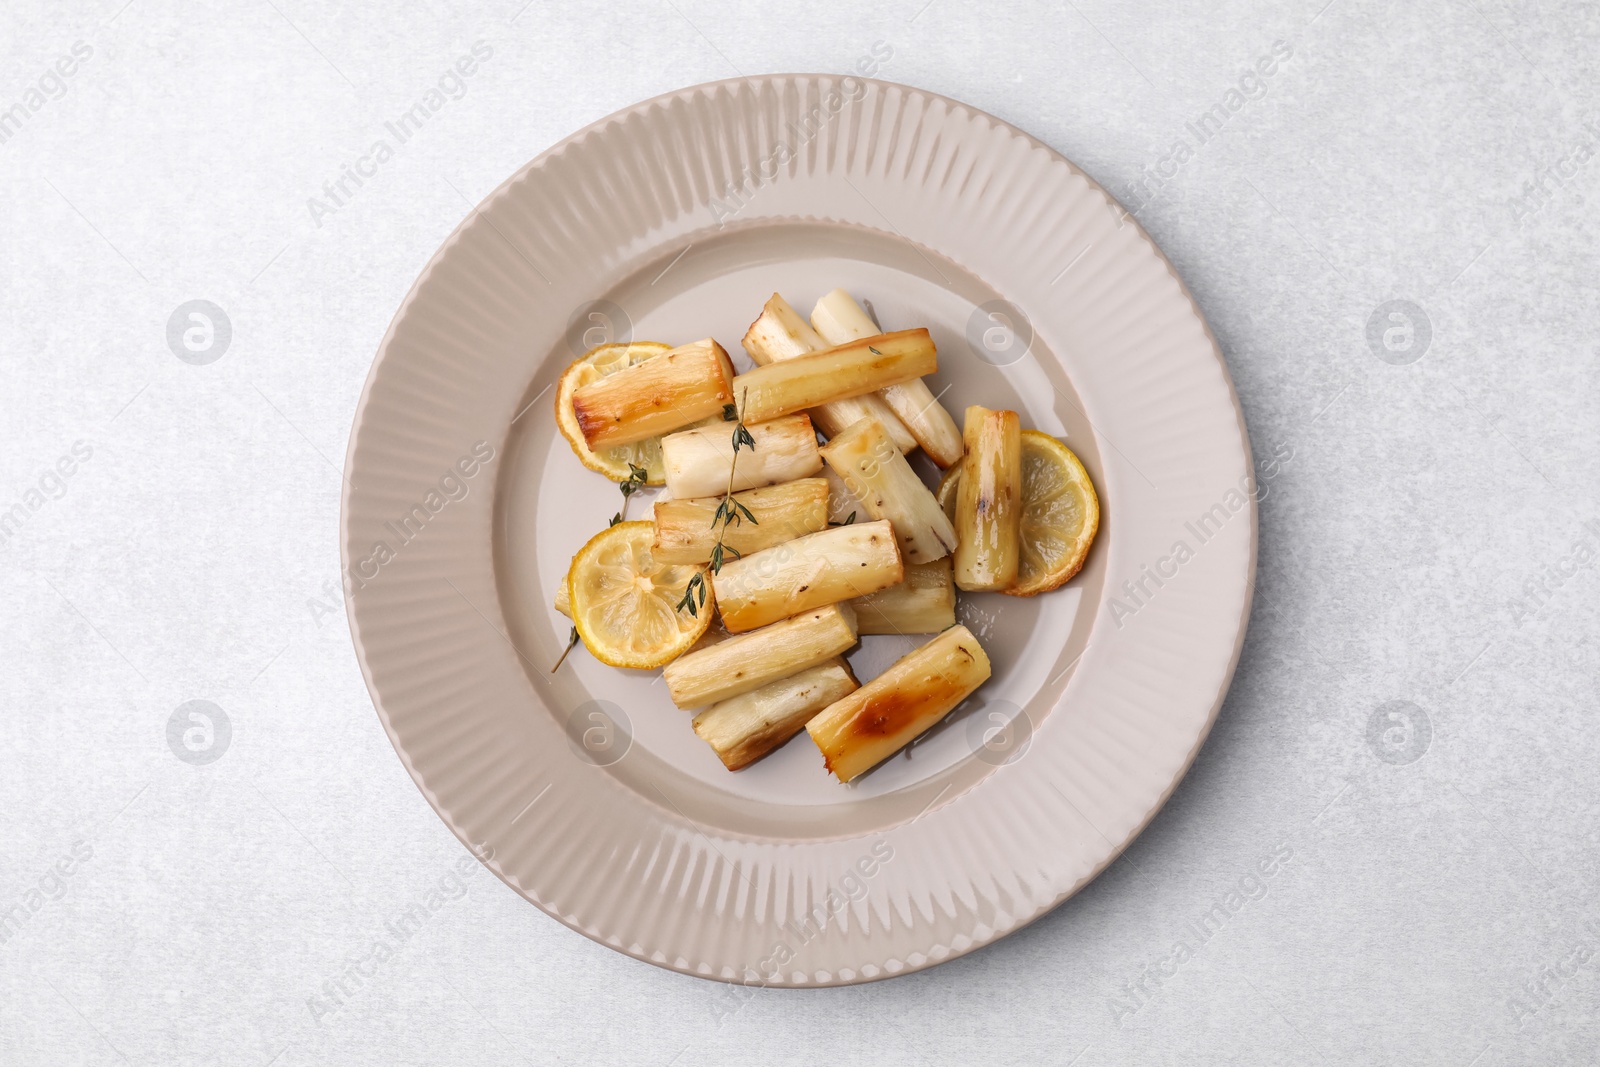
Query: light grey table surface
x=1429 y=537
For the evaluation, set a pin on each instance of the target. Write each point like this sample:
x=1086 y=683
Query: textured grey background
x=1437 y=906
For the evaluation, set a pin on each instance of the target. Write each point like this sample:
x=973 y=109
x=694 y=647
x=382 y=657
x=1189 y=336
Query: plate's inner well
x=548 y=505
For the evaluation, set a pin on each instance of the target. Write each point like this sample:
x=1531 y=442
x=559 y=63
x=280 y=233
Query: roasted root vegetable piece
x=877 y=474
x=861 y=730
x=655 y=397
x=715 y=634
x=687 y=530
x=843 y=507
x=780 y=333
x=749 y=661
x=848 y=370
x=837 y=318
x=697 y=461
x=835 y=564
x=923 y=603
x=742 y=729
x=989 y=502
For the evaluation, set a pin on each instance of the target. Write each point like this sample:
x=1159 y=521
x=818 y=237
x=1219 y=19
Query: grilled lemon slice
x=625 y=603
x=1060 y=513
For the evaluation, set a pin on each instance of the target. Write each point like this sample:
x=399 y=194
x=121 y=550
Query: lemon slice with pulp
x=625 y=604
x=1060 y=513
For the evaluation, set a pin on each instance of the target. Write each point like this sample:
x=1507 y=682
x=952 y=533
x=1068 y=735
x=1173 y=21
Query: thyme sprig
x=729 y=513
x=629 y=486
x=572 y=643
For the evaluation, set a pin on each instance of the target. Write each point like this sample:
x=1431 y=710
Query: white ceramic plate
x=586 y=790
